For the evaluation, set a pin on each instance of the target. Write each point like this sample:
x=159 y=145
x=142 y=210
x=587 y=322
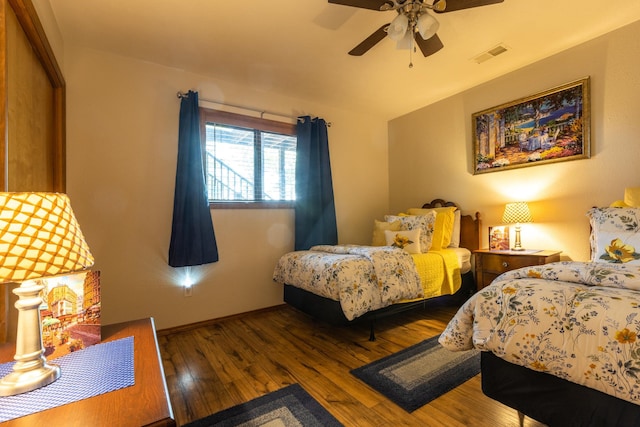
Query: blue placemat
x=95 y=370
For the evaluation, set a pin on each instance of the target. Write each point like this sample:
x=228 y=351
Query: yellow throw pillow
x=443 y=229
x=632 y=196
x=379 y=227
x=619 y=204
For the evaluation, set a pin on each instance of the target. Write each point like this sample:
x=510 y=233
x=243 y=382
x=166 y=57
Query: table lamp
x=39 y=237
x=518 y=213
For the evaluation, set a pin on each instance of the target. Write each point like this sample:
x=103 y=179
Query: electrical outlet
x=188 y=291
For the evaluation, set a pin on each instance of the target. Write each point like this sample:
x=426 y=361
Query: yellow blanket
x=439 y=272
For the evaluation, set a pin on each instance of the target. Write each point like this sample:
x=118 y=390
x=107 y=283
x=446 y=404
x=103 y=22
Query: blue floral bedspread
x=362 y=278
x=575 y=320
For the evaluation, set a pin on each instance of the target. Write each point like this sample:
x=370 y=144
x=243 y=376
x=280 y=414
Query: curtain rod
x=181 y=95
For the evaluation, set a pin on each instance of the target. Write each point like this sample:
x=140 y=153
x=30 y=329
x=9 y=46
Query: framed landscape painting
x=550 y=126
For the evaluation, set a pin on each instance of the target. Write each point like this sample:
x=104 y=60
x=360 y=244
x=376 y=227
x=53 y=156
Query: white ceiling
x=299 y=48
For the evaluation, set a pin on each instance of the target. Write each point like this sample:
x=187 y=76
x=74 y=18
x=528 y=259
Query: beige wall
x=122 y=132
x=48 y=21
x=430 y=151
x=121 y=142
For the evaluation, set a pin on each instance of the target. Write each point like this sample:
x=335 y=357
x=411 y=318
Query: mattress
x=464 y=259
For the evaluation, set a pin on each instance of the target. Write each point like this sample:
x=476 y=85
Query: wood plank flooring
x=230 y=361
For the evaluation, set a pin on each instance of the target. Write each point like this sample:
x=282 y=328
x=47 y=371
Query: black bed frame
x=329 y=311
x=552 y=400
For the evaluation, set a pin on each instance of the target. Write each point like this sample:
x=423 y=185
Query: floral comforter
x=362 y=278
x=578 y=321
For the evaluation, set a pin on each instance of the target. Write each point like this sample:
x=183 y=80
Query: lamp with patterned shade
x=516 y=213
x=39 y=237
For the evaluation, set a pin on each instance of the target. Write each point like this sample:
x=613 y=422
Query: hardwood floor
x=233 y=360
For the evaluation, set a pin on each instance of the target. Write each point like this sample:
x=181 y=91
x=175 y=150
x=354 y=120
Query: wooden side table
x=491 y=264
x=146 y=403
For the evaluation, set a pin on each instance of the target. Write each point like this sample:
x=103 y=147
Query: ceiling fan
x=413 y=24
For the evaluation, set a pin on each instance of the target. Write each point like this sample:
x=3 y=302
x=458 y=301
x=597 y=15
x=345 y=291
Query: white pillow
x=379 y=227
x=409 y=240
x=455 y=234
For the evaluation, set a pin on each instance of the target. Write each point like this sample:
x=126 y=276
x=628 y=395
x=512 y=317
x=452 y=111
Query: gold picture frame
x=551 y=126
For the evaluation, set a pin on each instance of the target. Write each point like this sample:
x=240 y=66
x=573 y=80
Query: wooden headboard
x=469 y=225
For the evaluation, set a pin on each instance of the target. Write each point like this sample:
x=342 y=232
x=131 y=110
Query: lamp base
x=517 y=246
x=31 y=370
x=17 y=382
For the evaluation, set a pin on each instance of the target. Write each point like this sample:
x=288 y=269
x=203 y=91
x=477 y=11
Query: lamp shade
x=516 y=213
x=405 y=42
x=39 y=237
x=398 y=27
x=427 y=26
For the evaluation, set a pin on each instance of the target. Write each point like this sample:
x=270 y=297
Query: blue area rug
x=416 y=375
x=289 y=406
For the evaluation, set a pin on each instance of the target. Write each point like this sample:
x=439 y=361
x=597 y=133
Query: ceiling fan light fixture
x=398 y=27
x=427 y=26
x=388 y=5
x=405 y=42
x=412 y=17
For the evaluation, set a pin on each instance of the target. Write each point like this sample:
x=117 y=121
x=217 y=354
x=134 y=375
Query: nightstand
x=146 y=403
x=491 y=264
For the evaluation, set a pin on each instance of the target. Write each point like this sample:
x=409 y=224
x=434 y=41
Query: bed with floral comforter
x=345 y=284
x=575 y=320
x=362 y=278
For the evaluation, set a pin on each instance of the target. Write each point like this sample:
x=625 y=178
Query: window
x=248 y=159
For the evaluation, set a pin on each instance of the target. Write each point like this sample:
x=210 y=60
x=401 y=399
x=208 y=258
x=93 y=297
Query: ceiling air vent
x=491 y=53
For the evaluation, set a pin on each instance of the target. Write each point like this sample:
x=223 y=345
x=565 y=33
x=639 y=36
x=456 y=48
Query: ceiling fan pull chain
x=412 y=43
x=411 y=48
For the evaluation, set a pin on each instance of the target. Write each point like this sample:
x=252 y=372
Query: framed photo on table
x=499 y=238
x=70 y=313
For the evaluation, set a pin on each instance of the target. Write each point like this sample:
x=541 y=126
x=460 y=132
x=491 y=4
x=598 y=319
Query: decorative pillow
x=615 y=235
x=409 y=240
x=443 y=230
x=424 y=223
x=455 y=234
x=631 y=199
x=619 y=204
x=379 y=228
x=632 y=196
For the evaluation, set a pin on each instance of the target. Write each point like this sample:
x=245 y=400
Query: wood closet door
x=32 y=114
x=32 y=117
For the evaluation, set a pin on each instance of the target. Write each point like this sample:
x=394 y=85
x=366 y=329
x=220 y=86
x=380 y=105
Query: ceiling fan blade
x=370 y=41
x=430 y=45
x=453 y=5
x=363 y=4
